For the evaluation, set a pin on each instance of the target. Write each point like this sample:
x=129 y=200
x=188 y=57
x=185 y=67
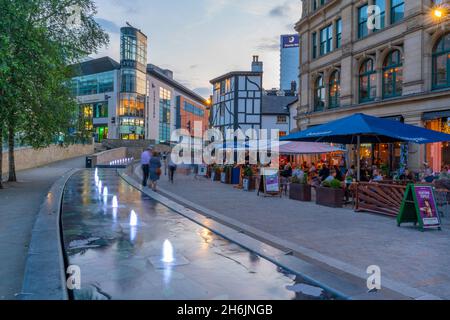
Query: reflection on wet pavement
x=158 y=254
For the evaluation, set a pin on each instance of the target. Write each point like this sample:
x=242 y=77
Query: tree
x=45 y=37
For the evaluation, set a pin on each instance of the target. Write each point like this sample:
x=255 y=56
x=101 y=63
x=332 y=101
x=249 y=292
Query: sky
x=202 y=39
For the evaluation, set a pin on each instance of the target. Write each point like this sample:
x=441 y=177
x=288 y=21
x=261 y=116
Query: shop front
x=438 y=154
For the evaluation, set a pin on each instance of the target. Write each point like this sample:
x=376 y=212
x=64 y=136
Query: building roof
x=158 y=73
x=277 y=105
x=235 y=73
x=95 y=66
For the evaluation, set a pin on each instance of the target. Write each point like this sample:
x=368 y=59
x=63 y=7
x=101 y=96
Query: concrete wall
x=27 y=158
x=105 y=157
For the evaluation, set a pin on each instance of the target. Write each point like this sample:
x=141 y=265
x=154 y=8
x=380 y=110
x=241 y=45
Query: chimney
x=293 y=87
x=257 y=66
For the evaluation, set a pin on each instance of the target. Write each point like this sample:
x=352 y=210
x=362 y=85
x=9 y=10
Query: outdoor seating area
x=317 y=165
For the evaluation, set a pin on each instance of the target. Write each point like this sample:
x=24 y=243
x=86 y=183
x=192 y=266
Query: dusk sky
x=202 y=39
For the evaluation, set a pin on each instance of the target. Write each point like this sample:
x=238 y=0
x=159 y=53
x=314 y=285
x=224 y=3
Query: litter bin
x=236 y=176
x=89 y=162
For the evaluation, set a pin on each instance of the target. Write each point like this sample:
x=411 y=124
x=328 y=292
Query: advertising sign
x=291 y=41
x=419 y=207
x=202 y=170
x=427 y=206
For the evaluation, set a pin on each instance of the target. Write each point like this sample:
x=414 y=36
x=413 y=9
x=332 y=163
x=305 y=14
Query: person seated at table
x=331 y=177
x=378 y=177
x=324 y=173
x=407 y=175
x=313 y=168
x=287 y=172
x=299 y=173
x=338 y=173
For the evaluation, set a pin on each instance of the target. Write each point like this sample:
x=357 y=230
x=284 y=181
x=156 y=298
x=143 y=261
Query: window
x=319 y=94
x=326 y=40
x=393 y=75
x=338 y=33
x=382 y=16
x=314 y=45
x=281 y=119
x=128 y=80
x=165 y=98
x=222 y=87
x=367 y=81
x=441 y=63
x=363 y=30
x=335 y=89
x=101 y=110
x=318 y=3
x=397 y=10
x=188 y=107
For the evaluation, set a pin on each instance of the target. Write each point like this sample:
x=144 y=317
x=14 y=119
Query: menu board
x=419 y=207
x=427 y=206
x=272 y=181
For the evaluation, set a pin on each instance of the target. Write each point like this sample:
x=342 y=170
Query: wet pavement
x=121 y=262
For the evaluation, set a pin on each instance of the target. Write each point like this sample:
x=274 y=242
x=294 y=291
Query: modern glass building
x=133 y=61
x=96 y=88
x=290 y=61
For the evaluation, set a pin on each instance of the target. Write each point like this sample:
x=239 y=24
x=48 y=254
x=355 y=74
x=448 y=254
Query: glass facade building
x=93 y=84
x=290 y=61
x=133 y=55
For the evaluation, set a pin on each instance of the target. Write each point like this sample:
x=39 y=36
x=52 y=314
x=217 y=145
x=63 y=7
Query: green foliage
x=37 y=44
x=297 y=180
x=248 y=172
x=334 y=184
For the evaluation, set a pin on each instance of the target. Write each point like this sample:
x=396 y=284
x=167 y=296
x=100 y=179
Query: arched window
x=393 y=75
x=367 y=81
x=319 y=94
x=335 y=89
x=441 y=63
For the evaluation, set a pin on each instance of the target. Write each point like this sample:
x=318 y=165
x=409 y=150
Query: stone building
x=392 y=61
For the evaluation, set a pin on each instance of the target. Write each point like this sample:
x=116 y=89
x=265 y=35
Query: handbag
x=158 y=172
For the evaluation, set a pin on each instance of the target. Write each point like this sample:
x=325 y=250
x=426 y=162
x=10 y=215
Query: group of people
x=151 y=167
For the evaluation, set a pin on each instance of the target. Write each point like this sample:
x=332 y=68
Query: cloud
x=268 y=44
x=108 y=25
x=204 y=91
x=278 y=11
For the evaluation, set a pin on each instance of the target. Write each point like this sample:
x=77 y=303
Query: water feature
x=115 y=202
x=133 y=219
x=100 y=186
x=163 y=256
x=168 y=255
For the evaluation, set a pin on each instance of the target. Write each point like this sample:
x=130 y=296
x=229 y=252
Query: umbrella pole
x=358 y=158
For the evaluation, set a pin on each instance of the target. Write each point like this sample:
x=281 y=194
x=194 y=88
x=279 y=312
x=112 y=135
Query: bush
x=248 y=172
x=334 y=184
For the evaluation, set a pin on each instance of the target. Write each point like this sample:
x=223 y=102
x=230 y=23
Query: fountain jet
x=133 y=219
x=168 y=256
x=115 y=202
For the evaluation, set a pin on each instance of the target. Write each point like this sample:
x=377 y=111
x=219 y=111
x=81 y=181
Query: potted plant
x=299 y=189
x=331 y=194
x=249 y=181
x=216 y=173
x=226 y=174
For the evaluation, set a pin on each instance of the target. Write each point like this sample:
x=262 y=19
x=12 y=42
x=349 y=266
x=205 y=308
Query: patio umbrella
x=298 y=148
x=361 y=128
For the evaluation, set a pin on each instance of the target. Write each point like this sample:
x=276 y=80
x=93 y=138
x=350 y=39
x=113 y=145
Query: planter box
x=225 y=177
x=330 y=197
x=300 y=192
x=249 y=183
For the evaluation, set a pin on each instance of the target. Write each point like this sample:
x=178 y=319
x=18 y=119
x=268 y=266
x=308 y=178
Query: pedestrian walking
x=155 y=170
x=172 y=169
x=145 y=164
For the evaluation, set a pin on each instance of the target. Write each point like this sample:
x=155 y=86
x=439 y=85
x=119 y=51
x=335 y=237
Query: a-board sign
x=202 y=170
x=270 y=182
x=419 y=207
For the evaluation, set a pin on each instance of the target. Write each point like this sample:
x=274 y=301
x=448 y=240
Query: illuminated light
x=168 y=256
x=438 y=13
x=115 y=202
x=133 y=219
